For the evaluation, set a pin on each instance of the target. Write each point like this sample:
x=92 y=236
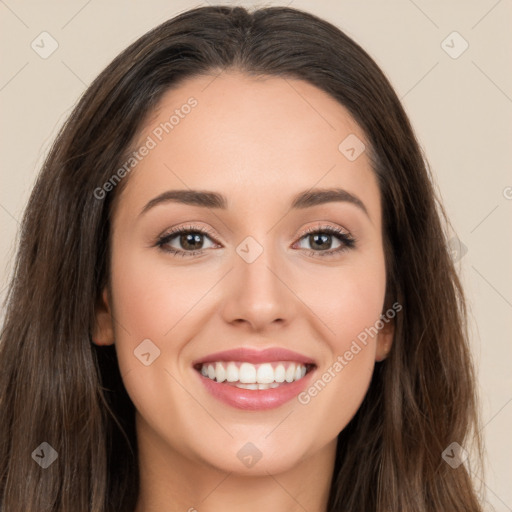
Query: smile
x=246 y=375
x=249 y=379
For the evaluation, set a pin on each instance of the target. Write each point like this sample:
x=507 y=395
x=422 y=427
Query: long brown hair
x=59 y=388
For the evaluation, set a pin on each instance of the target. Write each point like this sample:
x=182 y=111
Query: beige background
x=461 y=110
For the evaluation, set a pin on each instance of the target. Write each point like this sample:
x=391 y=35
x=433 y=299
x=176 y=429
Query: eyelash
x=348 y=242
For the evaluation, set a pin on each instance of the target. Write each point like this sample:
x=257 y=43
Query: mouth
x=254 y=380
x=245 y=375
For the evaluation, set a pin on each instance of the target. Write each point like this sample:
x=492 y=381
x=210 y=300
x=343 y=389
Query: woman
x=233 y=287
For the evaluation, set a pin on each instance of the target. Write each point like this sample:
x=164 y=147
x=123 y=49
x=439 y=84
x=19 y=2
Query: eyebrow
x=207 y=199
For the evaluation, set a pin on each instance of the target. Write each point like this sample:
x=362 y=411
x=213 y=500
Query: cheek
x=355 y=308
x=349 y=304
x=154 y=302
x=351 y=307
x=348 y=299
x=151 y=302
x=152 y=299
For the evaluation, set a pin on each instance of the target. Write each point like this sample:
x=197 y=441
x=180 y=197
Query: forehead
x=249 y=137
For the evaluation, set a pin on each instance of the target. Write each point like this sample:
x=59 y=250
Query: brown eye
x=320 y=241
x=185 y=241
x=191 y=241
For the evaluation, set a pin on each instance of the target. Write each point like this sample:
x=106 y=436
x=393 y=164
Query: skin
x=259 y=142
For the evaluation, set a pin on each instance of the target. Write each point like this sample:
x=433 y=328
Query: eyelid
x=324 y=227
x=189 y=227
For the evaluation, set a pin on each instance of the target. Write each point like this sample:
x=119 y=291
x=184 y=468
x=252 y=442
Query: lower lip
x=255 y=399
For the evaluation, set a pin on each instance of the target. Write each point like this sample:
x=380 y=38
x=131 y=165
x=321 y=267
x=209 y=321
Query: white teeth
x=279 y=373
x=254 y=376
x=232 y=372
x=247 y=386
x=257 y=386
x=247 y=373
x=290 y=373
x=220 y=373
x=266 y=386
x=265 y=374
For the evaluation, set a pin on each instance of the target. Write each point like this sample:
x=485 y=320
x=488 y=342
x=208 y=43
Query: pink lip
x=257 y=399
x=255 y=356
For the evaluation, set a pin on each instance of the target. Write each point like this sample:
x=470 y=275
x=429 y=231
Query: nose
x=258 y=293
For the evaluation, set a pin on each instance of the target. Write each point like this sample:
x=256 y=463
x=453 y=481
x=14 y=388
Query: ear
x=385 y=340
x=103 y=333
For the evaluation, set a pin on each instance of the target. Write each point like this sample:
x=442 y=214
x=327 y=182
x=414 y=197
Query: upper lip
x=255 y=356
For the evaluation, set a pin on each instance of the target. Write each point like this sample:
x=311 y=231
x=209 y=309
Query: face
x=267 y=265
